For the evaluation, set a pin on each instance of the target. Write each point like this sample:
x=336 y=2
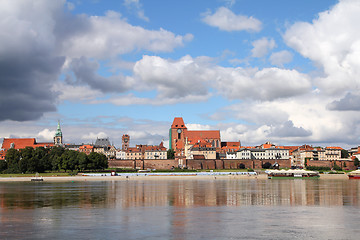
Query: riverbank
x=155 y=177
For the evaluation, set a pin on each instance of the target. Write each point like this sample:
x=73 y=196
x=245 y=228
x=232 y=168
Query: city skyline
x=258 y=71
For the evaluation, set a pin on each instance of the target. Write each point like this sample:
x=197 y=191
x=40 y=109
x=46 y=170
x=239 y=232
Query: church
x=20 y=143
x=181 y=140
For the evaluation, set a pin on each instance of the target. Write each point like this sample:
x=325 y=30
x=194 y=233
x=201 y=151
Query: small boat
x=37 y=178
x=354 y=174
x=292 y=174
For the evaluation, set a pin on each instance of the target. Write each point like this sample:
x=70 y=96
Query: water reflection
x=181 y=209
x=182 y=193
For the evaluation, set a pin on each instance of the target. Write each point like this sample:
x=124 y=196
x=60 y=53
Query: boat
x=292 y=174
x=354 y=174
x=37 y=178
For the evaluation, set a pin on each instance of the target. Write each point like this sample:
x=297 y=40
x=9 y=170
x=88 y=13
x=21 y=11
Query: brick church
x=181 y=139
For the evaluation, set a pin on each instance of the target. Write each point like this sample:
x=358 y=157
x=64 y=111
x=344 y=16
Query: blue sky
x=279 y=71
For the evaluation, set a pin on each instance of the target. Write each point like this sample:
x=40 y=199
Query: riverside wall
x=144 y=164
x=344 y=164
x=220 y=163
x=196 y=164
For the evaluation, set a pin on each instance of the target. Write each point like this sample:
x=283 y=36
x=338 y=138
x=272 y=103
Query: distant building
x=181 y=139
x=87 y=149
x=20 y=143
x=125 y=142
x=58 y=138
x=102 y=142
x=306 y=153
x=263 y=154
x=120 y=155
x=203 y=149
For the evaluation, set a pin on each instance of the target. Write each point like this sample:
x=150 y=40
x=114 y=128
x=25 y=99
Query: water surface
x=181 y=209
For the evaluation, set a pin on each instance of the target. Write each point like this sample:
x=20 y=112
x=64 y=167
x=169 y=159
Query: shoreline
x=156 y=177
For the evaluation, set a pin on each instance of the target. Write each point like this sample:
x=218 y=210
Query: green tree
x=55 y=158
x=12 y=158
x=3 y=165
x=336 y=167
x=97 y=161
x=43 y=157
x=344 y=153
x=356 y=162
x=170 y=154
x=69 y=160
x=83 y=161
x=27 y=162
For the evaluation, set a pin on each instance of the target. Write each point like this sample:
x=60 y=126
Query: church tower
x=177 y=133
x=58 y=136
x=125 y=142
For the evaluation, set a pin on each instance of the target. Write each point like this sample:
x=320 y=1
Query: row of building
x=193 y=145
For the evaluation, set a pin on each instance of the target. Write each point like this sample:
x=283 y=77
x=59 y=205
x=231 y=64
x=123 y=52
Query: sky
x=282 y=71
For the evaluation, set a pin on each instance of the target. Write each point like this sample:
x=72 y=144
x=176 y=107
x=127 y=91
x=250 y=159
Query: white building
x=120 y=155
x=267 y=153
x=156 y=154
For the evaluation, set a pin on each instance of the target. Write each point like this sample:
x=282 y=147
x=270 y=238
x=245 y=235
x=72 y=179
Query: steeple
x=58 y=136
x=58 y=131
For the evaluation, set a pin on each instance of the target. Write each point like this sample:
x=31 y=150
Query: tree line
x=30 y=160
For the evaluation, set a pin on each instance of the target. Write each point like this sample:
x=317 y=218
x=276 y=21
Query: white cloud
x=75 y=93
x=226 y=20
x=40 y=38
x=93 y=136
x=261 y=47
x=110 y=35
x=265 y=84
x=136 y=6
x=46 y=135
x=281 y=58
x=174 y=79
x=195 y=126
x=332 y=42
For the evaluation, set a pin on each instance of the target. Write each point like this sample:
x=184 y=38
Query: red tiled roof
x=230 y=144
x=86 y=146
x=20 y=143
x=203 y=144
x=290 y=148
x=208 y=134
x=178 y=123
x=337 y=148
x=133 y=149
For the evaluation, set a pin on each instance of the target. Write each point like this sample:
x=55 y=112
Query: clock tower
x=125 y=142
x=58 y=136
x=177 y=133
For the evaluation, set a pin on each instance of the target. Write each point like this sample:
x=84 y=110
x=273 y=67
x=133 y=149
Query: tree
x=170 y=154
x=97 y=161
x=266 y=165
x=69 y=160
x=3 y=165
x=83 y=161
x=344 y=153
x=55 y=158
x=27 y=162
x=356 y=162
x=12 y=158
x=336 y=167
x=42 y=156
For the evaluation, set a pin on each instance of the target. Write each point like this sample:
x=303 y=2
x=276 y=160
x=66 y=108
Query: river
x=181 y=209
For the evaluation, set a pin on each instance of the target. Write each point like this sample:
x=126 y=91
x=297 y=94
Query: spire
x=58 y=131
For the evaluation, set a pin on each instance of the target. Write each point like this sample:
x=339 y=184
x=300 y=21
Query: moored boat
x=292 y=174
x=354 y=174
